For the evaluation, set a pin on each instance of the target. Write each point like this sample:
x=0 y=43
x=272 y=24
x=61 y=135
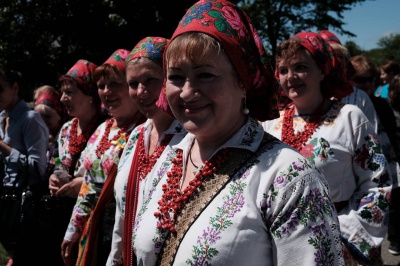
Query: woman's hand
x=67 y=252
x=71 y=189
x=54 y=184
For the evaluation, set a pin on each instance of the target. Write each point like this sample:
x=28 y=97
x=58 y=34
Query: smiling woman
x=338 y=139
x=93 y=215
x=228 y=193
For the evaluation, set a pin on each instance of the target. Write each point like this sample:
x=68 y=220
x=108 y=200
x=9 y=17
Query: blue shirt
x=28 y=136
x=382 y=91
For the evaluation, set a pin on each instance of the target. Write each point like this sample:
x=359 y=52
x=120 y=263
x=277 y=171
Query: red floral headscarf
x=82 y=73
x=335 y=83
x=233 y=29
x=49 y=96
x=347 y=67
x=118 y=59
x=329 y=37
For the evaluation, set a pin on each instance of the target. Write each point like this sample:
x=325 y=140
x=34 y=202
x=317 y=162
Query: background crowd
x=194 y=149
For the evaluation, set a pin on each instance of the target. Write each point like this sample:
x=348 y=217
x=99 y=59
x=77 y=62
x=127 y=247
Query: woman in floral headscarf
x=338 y=139
x=229 y=193
x=94 y=211
x=82 y=103
x=148 y=142
x=49 y=106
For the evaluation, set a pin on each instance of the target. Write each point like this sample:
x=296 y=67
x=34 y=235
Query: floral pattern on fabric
x=317 y=147
x=357 y=172
x=82 y=73
x=95 y=171
x=120 y=186
x=242 y=218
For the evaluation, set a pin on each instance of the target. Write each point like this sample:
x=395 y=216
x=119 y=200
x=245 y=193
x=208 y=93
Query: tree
x=44 y=38
x=277 y=20
x=391 y=46
x=353 y=48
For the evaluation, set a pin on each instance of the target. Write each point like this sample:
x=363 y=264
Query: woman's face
x=207 y=97
x=114 y=95
x=300 y=77
x=145 y=79
x=75 y=101
x=384 y=77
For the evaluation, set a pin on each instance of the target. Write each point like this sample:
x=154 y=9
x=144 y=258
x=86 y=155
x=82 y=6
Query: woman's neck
x=161 y=122
x=312 y=108
x=207 y=145
x=85 y=119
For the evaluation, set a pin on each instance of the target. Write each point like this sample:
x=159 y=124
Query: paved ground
x=388 y=258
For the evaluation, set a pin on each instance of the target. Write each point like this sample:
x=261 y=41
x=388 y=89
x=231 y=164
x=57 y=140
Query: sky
x=370 y=21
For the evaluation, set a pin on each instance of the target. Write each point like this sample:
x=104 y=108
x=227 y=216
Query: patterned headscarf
x=329 y=37
x=118 y=59
x=333 y=40
x=152 y=48
x=49 y=96
x=233 y=29
x=82 y=73
x=149 y=47
x=335 y=83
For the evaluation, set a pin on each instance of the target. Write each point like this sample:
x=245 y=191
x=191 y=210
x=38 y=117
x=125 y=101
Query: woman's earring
x=246 y=110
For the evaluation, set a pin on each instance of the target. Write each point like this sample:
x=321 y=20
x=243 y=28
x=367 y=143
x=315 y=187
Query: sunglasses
x=363 y=80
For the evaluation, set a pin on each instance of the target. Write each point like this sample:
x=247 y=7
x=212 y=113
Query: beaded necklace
x=146 y=162
x=174 y=199
x=104 y=143
x=299 y=140
x=78 y=143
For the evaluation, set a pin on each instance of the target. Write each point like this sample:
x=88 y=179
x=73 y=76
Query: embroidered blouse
x=94 y=171
x=346 y=150
x=124 y=167
x=275 y=210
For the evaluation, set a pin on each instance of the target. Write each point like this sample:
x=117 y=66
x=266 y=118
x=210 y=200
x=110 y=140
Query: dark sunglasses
x=363 y=80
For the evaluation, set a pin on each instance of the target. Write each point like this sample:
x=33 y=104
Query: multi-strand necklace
x=105 y=143
x=78 y=142
x=174 y=199
x=146 y=162
x=298 y=140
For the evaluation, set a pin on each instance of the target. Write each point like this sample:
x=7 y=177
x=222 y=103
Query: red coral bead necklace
x=105 y=143
x=174 y=199
x=78 y=142
x=298 y=140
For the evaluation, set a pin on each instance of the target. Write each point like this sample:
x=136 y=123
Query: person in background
x=388 y=71
x=229 y=193
x=363 y=78
x=93 y=215
x=394 y=218
x=23 y=146
x=338 y=139
x=147 y=143
x=47 y=104
x=81 y=100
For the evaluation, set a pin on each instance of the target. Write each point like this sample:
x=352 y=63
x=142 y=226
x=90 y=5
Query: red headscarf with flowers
x=335 y=83
x=118 y=59
x=152 y=48
x=329 y=37
x=82 y=72
x=233 y=29
x=51 y=97
x=346 y=67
